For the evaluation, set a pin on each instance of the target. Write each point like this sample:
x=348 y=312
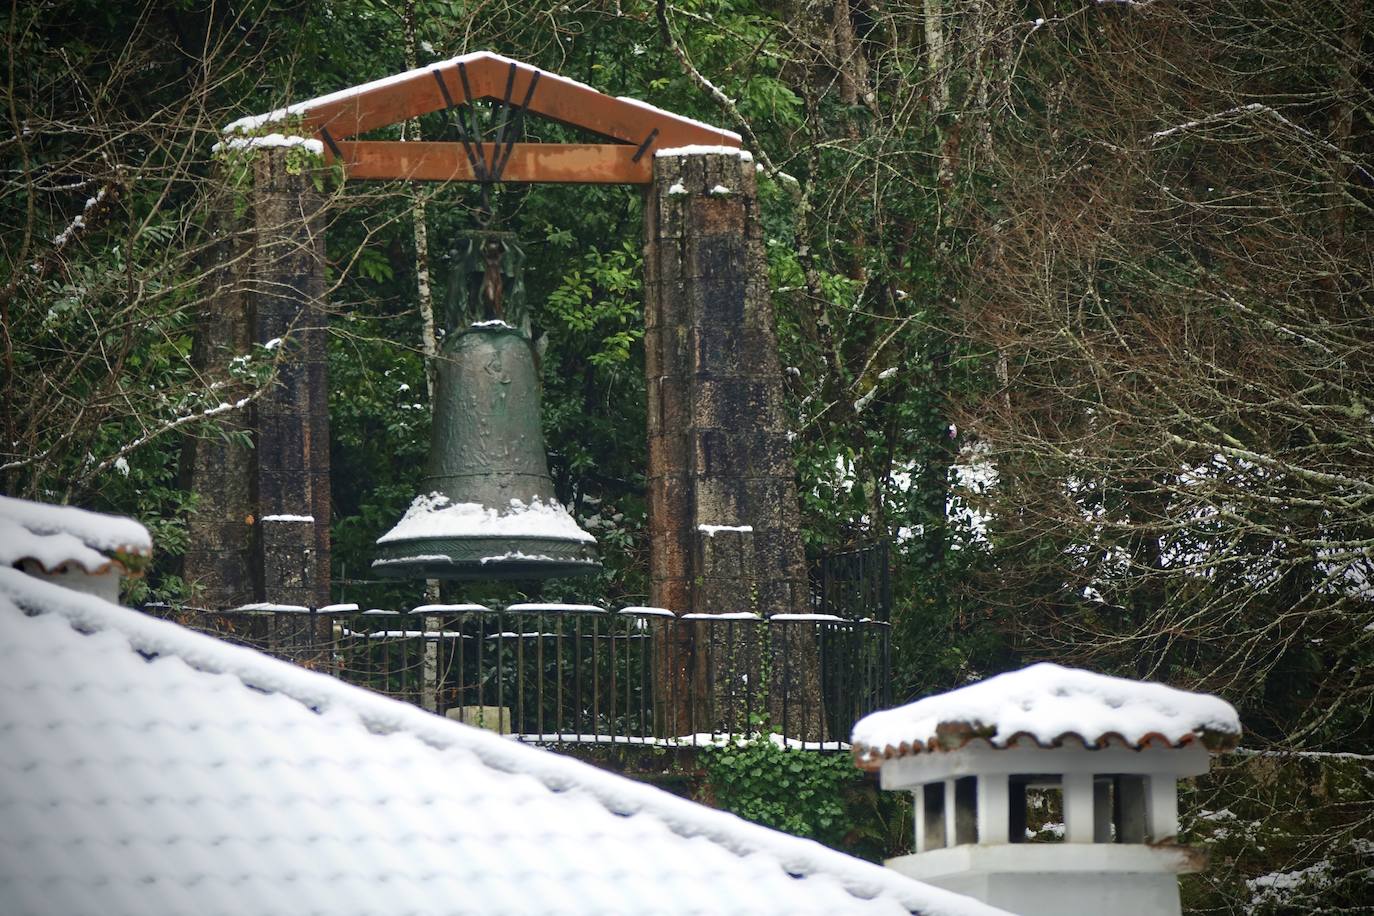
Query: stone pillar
x=722 y=501
x=218 y=562
x=291 y=419
x=260 y=531
x=718 y=450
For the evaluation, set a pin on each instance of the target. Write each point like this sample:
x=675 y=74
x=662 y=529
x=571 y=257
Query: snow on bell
x=487 y=508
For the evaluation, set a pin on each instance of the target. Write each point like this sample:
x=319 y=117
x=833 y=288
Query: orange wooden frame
x=627 y=123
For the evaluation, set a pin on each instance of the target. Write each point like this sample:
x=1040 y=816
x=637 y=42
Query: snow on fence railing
x=578 y=674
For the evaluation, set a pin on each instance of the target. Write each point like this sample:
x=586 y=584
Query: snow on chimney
x=1050 y=790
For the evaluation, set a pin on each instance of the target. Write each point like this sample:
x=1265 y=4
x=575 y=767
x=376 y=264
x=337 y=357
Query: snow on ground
x=1049 y=702
x=150 y=770
x=433 y=515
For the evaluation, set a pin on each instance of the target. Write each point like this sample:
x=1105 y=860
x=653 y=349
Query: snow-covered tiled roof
x=56 y=537
x=147 y=769
x=1049 y=705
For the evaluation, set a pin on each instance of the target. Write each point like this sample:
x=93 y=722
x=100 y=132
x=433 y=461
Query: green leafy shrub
x=819 y=796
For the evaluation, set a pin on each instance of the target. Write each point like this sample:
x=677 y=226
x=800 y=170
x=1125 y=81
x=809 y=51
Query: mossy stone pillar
x=218 y=470
x=718 y=449
x=261 y=529
x=291 y=419
x=722 y=501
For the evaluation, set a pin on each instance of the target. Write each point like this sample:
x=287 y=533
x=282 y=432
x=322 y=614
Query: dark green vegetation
x=822 y=797
x=1117 y=252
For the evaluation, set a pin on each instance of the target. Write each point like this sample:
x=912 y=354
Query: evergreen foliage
x=1074 y=296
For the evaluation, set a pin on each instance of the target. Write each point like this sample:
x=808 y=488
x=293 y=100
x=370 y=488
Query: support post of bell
x=487 y=508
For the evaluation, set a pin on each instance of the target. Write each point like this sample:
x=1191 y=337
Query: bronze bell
x=487 y=508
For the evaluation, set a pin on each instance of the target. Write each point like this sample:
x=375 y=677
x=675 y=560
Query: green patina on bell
x=487 y=508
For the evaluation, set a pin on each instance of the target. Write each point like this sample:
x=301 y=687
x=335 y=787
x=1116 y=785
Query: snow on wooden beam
x=356 y=110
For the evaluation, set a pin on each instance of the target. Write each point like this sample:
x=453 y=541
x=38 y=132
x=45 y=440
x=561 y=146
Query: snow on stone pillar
x=1070 y=777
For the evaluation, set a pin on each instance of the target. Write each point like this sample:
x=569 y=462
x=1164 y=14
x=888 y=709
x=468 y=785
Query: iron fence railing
x=574 y=673
x=854 y=582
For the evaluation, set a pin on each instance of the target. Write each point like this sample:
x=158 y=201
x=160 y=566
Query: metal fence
x=854 y=582
x=573 y=673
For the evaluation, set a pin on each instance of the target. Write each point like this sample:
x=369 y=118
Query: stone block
x=737 y=450
x=724 y=554
x=715 y=257
x=287 y=534
x=717 y=498
x=668 y=451
x=779 y=556
x=219 y=578
x=725 y=596
x=672 y=351
x=317 y=480
x=781 y=596
x=751 y=501
x=653 y=344
x=754 y=402
x=725 y=350
x=670 y=520
x=671 y=557
x=720 y=301
x=671 y=221
x=720 y=169
x=722 y=215
x=286 y=567
x=671 y=592
x=673 y=401
x=283 y=444
x=283 y=491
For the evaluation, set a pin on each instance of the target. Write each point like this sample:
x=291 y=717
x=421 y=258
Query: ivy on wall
x=819 y=796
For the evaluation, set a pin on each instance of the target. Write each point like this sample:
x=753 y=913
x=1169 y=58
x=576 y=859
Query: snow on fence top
x=433 y=515
x=166 y=772
x=1050 y=705
x=58 y=536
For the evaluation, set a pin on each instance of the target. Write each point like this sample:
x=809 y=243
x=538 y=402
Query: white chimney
x=1050 y=791
x=84 y=551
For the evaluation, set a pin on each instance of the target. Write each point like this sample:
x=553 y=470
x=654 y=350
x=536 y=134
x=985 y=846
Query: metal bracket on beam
x=330 y=142
x=479 y=164
x=644 y=147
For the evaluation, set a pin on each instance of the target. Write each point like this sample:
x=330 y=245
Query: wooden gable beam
x=571 y=163
x=351 y=112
